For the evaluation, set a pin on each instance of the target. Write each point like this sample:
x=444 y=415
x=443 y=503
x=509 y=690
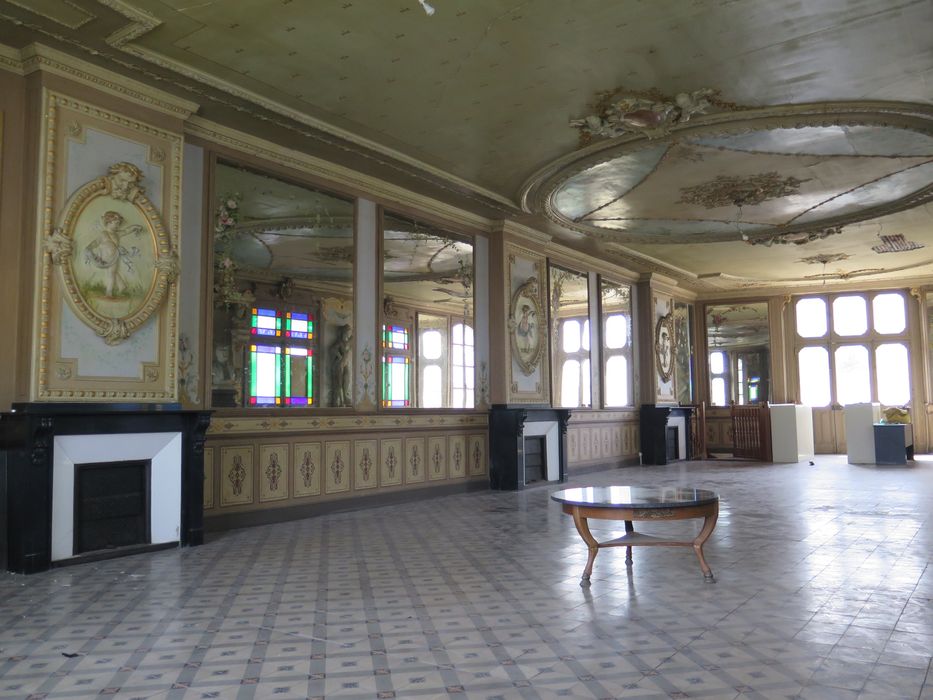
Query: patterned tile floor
x=824 y=591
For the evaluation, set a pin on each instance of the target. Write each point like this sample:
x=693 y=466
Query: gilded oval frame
x=74 y=248
x=665 y=359
x=525 y=333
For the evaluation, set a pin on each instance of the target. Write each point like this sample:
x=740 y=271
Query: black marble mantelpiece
x=507 y=442
x=653 y=421
x=27 y=436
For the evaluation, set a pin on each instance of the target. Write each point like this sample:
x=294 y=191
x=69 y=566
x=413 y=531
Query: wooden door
x=829 y=430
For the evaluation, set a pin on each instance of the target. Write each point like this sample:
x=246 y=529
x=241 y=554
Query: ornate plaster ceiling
x=466 y=105
x=762 y=185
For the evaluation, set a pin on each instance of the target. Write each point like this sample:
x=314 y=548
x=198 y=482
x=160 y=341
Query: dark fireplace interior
x=671 y=440
x=535 y=459
x=111 y=505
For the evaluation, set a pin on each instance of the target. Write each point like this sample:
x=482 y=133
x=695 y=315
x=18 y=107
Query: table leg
x=591 y=544
x=628 y=550
x=708 y=524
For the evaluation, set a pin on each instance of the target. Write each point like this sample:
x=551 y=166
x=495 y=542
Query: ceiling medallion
x=795 y=237
x=825 y=258
x=646 y=112
x=732 y=190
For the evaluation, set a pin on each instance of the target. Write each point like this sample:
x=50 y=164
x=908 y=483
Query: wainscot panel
x=280 y=467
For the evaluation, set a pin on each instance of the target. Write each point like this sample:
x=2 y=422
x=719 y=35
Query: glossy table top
x=635 y=496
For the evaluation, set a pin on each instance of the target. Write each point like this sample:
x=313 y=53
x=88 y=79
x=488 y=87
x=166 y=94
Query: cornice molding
x=346 y=177
x=38 y=57
x=520 y=233
x=142 y=23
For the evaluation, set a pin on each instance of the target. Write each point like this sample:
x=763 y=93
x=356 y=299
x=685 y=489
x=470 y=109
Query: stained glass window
x=265 y=375
x=396 y=380
x=266 y=323
x=395 y=337
x=281 y=374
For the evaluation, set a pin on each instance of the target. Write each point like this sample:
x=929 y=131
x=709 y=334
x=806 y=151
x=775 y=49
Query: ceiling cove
x=787 y=174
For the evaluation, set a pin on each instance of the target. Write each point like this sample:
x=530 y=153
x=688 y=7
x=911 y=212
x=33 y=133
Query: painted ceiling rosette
x=788 y=174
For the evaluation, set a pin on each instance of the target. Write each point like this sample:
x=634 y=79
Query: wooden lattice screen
x=751 y=432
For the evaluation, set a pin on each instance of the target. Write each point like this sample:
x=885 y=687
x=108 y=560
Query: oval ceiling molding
x=751 y=175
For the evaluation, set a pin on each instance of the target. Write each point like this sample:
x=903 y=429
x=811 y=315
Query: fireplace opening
x=111 y=507
x=535 y=458
x=672 y=442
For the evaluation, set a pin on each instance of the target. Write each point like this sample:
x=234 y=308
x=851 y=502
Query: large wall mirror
x=738 y=348
x=427 y=342
x=283 y=293
x=570 y=338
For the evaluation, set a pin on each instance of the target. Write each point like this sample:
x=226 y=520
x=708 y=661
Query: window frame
x=627 y=351
x=871 y=339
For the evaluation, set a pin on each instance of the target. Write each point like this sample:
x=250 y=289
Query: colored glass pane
x=265 y=375
x=395 y=337
x=395 y=381
x=266 y=322
x=299 y=326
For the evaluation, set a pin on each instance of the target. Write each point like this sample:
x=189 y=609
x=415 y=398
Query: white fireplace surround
x=680 y=423
x=549 y=429
x=162 y=449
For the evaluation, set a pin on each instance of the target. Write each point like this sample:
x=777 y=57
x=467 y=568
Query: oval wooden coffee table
x=630 y=503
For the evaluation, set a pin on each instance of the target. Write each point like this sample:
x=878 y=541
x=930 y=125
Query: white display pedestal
x=791 y=432
x=860 y=432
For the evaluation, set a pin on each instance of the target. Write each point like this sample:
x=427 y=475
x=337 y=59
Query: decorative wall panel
x=237 y=473
x=526 y=326
x=414 y=460
x=437 y=458
x=602 y=438
x=108 y=256
x=390 y=462
x=365 y=457
x=337 y=459
x=208 y=478
x=479 y=464
x=273 y=472
x=456 y=445
x=307 y=471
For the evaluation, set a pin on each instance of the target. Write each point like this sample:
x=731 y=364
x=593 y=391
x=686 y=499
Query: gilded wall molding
x=38 y=57
x=156 y=381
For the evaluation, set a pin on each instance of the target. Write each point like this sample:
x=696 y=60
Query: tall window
x=574 y=342
x=616 y=318
x=281 y=361
x=570 y=349
x=396 y=366
x=462 y=370
x=853 y=348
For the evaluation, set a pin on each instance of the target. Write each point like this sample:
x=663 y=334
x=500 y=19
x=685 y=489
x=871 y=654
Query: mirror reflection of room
x=738 y=345
x=427 y=343
x=283 y=293
x=570 y=338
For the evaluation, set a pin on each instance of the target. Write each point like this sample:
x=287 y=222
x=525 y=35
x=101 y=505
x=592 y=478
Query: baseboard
x=602 y=466
x=233 y=521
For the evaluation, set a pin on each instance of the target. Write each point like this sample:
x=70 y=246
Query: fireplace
x=111 y=507
x=56 y=452
x=513 y=430
x=665 y=433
